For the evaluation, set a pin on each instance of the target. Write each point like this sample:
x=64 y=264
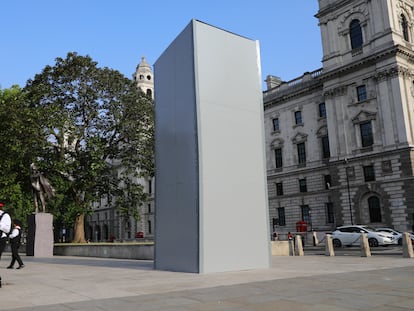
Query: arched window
x=404 y=27
x=355 y=33
x=149 y=92
x=374 y=209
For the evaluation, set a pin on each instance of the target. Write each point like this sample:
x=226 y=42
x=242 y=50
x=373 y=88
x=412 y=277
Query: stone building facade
x=105 y=224
x=339 y=140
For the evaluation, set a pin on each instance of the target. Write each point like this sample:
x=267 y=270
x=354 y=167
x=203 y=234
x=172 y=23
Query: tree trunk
x=79 y=229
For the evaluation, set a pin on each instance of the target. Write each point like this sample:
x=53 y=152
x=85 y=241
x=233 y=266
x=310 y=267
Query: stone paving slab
x=292 y=283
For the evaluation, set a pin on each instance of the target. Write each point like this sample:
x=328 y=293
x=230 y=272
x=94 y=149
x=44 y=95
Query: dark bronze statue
x=42 y=189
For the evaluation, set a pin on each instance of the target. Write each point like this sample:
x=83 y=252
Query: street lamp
x=349 y=193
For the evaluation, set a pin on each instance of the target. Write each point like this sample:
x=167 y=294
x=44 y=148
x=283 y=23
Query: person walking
x=5 y=226
x=15 y=237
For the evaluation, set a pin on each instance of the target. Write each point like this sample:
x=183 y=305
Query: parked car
x=396 y=234
x=351 y=235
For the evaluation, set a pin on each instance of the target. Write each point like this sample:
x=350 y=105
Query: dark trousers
x=2 y=245
x=15 y=254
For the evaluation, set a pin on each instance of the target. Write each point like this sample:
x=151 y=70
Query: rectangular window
x=302 y=185
x=328 y=181
x=149 y=227
x=282 y=216
x=298 y=117
x=150 y=186
x=301 y=153
x=361 y=93
x=369 y=173
x=279 y=188
x=326 y=153
x=305 y=213
x=330 y=218
x=322 y=110
x=366 y=134
x=278 y=157
x=386 y=166
x=275 y=122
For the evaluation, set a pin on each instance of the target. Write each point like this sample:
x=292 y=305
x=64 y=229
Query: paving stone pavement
x=380 y=283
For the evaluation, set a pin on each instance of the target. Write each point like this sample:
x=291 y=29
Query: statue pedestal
x=40 y=235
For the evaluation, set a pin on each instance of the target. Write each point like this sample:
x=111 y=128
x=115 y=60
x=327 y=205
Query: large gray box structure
x=211 y=197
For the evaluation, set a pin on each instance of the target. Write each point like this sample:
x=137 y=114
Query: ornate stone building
x=144 y=77
x=105 y=223
x=339 y=140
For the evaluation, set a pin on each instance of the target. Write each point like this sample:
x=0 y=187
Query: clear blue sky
x=117 y=33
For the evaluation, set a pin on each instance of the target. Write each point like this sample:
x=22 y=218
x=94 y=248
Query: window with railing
x=367 y=138
x=326 y=153
x=278 y=158
x=301 y=153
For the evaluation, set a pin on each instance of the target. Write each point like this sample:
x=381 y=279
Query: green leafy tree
x=99 y=137
x=20 y=139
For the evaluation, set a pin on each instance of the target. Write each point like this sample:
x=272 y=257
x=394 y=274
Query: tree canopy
x=97 y=133
x=18 y=143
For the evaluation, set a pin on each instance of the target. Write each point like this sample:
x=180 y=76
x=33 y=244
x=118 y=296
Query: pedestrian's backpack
x=1 y=232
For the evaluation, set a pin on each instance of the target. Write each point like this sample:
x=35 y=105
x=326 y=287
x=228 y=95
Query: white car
x=396 y=234
x=351 y=236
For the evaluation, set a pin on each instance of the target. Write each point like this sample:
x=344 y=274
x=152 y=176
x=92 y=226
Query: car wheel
x=400 y=241
x=373 y=242
x=336 y=243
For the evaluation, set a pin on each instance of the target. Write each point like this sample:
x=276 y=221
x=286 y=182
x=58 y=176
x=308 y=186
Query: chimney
x=272 y=81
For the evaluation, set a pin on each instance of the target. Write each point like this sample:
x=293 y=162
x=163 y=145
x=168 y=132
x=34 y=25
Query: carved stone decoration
x=335 y=92
x=299 y=138
x=393 y=72
x=364 y=116
x=322 y=131
x=277 y=143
